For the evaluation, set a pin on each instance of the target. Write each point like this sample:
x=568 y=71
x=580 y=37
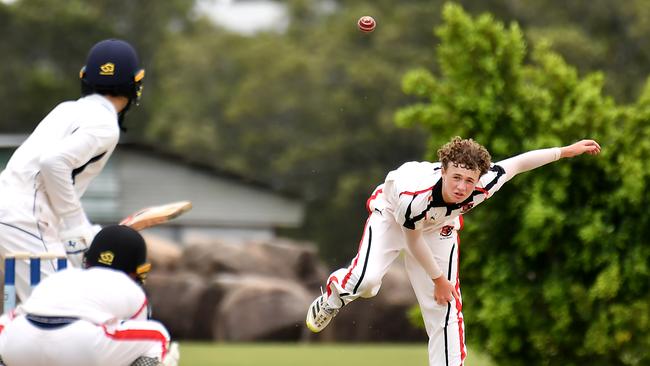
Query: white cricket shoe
x=320 y=314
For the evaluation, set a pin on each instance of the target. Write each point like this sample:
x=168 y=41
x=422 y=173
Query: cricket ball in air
x=366 y=24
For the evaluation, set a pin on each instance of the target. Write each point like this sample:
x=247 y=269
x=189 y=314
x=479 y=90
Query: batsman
x=45 y=178
x=418 y=210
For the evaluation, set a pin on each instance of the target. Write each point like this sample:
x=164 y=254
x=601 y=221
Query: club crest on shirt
x=467 y=207
x=446 y=230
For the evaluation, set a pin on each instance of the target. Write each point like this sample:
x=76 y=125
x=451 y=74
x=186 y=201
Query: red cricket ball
x=366 y=24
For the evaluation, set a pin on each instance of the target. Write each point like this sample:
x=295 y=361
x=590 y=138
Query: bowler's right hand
x=444 y=291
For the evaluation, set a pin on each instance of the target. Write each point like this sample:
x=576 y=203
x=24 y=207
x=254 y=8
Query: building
x=224 y=205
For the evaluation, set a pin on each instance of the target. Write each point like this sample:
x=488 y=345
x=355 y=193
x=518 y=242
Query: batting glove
x=77 y=240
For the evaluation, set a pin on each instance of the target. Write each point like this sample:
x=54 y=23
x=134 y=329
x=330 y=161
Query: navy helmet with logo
x=112 y=68
x=121 y=248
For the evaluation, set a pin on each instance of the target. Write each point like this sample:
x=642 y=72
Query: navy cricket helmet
x=112 y=68
x=121 y=248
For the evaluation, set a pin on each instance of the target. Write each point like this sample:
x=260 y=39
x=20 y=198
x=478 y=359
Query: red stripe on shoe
x=329 y=282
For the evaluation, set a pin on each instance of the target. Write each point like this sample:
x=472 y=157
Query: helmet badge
x=106 y=258
x=107 y=69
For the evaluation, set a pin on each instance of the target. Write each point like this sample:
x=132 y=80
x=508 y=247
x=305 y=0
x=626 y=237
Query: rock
x=179 y=300
x=257 y=308
x=163 y=254
x=258 y=291
x=278 y=259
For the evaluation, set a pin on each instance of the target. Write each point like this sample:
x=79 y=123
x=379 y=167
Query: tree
x=45 y=43
x=592 y=35
x=553 y=265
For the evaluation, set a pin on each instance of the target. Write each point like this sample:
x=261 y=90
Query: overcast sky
x=245 y=16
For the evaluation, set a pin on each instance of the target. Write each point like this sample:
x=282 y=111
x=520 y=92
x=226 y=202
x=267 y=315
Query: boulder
x=179 y=300
x=279 y=259
x=260 y=308
x=162 y=253
x=261 y=290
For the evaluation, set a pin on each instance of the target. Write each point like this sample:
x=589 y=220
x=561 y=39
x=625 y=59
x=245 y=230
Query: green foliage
x=556 y=270
x=45 y=43
x=593 y=35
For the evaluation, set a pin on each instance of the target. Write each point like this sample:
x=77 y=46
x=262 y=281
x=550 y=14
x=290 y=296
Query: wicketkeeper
x=41 y=186
x=96 y=316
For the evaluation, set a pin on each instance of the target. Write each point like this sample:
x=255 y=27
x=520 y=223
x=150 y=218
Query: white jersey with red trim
x=413 y=195
x=98 y=295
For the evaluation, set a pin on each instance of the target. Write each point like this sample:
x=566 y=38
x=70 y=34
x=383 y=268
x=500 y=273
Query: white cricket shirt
x=413 y=195
x=413 y=192
x=68 y=148
x=98 y=295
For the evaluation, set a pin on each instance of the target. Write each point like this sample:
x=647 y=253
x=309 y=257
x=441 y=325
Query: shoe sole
x=314 y=330
x=311 y=327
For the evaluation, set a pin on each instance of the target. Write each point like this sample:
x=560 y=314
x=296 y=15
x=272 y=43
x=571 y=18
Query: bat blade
x=156 y=215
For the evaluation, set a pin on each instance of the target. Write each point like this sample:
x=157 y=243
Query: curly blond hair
x=465 y=153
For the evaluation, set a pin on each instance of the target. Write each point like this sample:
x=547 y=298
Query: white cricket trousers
x=381 y=244
x=82 y=343
x=27 y=225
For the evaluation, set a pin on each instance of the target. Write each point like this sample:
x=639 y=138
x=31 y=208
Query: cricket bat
x=156 y=215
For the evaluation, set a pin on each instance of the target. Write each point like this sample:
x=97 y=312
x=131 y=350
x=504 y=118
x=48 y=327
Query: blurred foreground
x=286 y=354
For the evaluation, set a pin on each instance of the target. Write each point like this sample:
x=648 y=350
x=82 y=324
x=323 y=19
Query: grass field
x=287 y=354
